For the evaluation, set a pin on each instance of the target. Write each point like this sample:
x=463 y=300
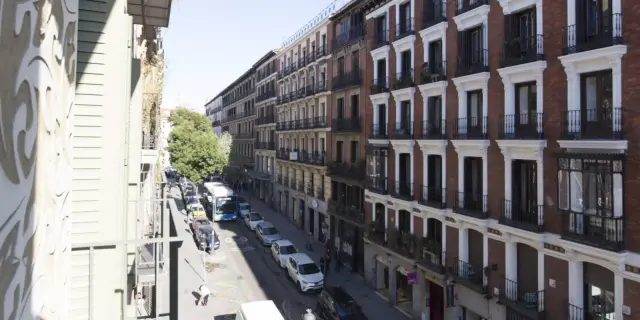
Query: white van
x=259 y=310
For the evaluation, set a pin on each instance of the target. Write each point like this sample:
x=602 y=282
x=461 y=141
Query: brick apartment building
x=498 y=150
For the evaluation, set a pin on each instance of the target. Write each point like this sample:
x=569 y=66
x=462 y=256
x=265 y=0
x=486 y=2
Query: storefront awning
x=153 y=13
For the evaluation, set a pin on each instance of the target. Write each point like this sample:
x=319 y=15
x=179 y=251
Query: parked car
x=244 y=209
x=304 y=272
x=267 y=233
x=252 y=220
x=205 y=235
x=335 y=303
x=280 y=251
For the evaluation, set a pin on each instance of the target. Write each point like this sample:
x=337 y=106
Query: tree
x=194 y=150
x=224 y=148
x=182 y=116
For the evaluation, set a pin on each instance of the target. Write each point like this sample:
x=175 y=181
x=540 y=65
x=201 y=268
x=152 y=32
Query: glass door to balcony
x=525 y=190
x=354 y=106
x=474 y=113
x=594 y=21
x=434 y=116
x=597 y=112
x=525 y=122
x=382 y=71
x=340 y=108
x=473 y=191
x=435 y=56
x=434 y=177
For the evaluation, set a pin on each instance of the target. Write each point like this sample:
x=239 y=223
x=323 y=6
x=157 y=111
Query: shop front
x=348 y=242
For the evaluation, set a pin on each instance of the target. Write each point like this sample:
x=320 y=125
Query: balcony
x=377 y=233
x=469 y=275
x=285 y=181
x=294 y=66
x=380 y=39
x=284 y=72
x=240 y=115
x=528 y=303
x=309 y=90
x=349 y=212
x=347 y=125
x=302 y=62
x=279 y=179
x=269 y=118
x=522 y=215
x=601 y=311
x=581 y=38
x=345 y=80
x=471 y=204
x=402 y=131
x=320 y=193
x=378 y=132
x=435 y=72
x=321 y=52
x=377 y=185
x=300 y=186
x=404 y=80
x=315 y=158
x=352 y=170
x=266 y=95
x=594 y=230
x=435 y=11
x=266 y=146
x=354 y=33
x=216 y=123
x=431 y=256
x=314 y=123
x=243 y=135
x=309 y=190
x=149 y=142
x=433 y=130
x=402 y=190
x=472 y=62
x=321 y=86
x=522 y=50
x=526 y=126
x=470 y=128
x=434 y=197
x=311 y=57
x=405 y=28
x=468 y=5
x=380 y=86
x=283 y=154
x=595 y=124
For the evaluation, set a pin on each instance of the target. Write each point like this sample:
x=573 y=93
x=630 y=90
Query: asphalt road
x=242 y=270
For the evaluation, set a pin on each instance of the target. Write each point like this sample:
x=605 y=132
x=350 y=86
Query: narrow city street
x=243 y=270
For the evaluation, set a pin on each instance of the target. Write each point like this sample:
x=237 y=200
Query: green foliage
x=194 y=150
x=184 y=117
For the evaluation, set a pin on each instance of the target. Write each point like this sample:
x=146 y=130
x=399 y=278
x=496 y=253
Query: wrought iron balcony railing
x=354 y=33
x=435 y=11
x=434 y=197
x=528 y=302
x=604 y=123
x=521 y=50
x=353 y=170
x=433 y=130
x=471 y=204
x=525 y=215
x=347 y=79
x=380 y=38
x=380 y=85
x=402 y=190
x=347 y=211
x=405 y=28
x=605 y=232
x=471 y=62
x=433 y=72
x=470 y=128
x=379 y=132
x=470 y=275
x=378 y=185
x=347 y=125
x=525 y=126
x=584 y=37
x=403 y=80
x=402 y=131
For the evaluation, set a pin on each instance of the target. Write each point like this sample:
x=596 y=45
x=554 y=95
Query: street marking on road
x=236 y=240
x=242 y=249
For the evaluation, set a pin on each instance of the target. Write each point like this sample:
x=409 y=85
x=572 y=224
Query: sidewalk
x=372 y=305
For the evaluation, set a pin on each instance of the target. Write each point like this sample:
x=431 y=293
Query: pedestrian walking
x=204 y=295
x=338 y=261
x=322 y=264
x=310 y=241
x=327 y=261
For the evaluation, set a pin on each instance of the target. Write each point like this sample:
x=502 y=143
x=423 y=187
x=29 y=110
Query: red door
x=436 y=301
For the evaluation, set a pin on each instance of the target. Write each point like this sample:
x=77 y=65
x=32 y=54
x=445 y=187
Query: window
x=590 y=186
x=354 y=106
x=339 y=151
x=340 y=108
x=353 y=153
x=341 y=66
x=355 y=61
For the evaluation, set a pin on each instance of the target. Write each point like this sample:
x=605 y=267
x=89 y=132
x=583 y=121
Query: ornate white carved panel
x=37 y=89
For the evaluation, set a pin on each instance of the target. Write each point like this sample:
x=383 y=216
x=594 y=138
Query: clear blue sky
x=209 y=43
